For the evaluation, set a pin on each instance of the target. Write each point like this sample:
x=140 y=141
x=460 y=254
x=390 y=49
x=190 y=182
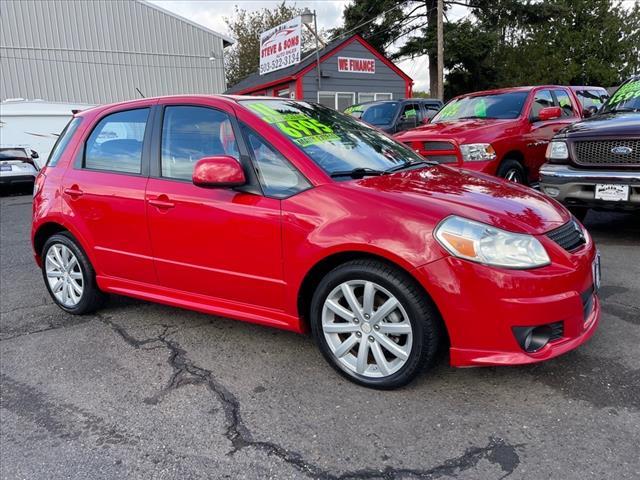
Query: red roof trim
x=349 y=41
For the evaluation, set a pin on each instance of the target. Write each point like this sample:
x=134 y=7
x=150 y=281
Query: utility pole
x=440 y=55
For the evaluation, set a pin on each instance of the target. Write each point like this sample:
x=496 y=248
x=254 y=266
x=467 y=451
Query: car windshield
x=333 y=140
x=13 y=154
x=498 y=105
x=626 y=99
x=374 y=113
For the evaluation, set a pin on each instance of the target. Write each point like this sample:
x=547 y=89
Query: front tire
x=513 y=171
x=374 y=324
x=69 y=276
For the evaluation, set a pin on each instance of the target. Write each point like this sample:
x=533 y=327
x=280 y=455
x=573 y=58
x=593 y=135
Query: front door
x=218 y=242
x=104 y=193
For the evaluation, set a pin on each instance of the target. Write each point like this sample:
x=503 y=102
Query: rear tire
x=393 y=334
x=513 y=171
x=69 y=276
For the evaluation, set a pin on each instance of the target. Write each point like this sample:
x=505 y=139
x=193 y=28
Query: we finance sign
x=280 y=47
x=356 y=65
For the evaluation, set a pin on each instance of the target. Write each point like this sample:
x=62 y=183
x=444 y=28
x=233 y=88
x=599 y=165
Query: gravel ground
x=147 y=391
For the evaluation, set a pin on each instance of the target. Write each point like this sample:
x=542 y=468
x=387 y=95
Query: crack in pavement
x=186 y=372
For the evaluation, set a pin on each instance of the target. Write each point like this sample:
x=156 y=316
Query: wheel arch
x=515 y=155
x=328 y=263
x=49 y=228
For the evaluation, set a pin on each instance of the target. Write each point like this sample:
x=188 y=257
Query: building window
x=366 y=97
x=384 y=96
x=337 y=100
x=281 y=92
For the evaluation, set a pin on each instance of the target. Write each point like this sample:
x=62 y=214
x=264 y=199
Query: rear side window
x=279 y=179
x=564 y=102
x=115 y=144
x=191 y=133
x=63 y=140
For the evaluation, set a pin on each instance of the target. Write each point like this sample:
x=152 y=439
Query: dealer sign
x=356 y=65
x=280 y=46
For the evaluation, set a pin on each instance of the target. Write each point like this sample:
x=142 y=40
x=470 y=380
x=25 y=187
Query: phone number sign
x=280 y=47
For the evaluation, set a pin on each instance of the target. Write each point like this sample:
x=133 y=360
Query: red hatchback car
x=292 y=215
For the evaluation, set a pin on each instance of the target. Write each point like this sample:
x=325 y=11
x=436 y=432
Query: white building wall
x=100 y=51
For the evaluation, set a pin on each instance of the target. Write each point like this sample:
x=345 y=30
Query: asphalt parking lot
x=147 y=391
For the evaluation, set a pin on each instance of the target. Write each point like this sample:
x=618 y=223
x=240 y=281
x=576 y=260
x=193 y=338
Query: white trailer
x=34 y=124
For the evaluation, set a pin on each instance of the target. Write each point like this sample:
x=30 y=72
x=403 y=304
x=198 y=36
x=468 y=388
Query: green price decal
x=480 y=108
x=626 y=92
x=450 y=110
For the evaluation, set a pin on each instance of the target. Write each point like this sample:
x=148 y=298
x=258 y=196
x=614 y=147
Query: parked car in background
x=590 y=99
x=18 y=165
x=500 y=132
x=293 y=215
x=393 y=116
x=596 y=163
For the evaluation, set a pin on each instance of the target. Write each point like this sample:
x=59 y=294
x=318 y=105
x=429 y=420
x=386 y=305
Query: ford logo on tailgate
x=621 y=150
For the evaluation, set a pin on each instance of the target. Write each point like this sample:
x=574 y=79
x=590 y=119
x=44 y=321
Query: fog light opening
x=552 y=191
x=532 y=339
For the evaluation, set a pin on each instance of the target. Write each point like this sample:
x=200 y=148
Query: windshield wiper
x=408 y=165
x=358 y=173
x=476 y=117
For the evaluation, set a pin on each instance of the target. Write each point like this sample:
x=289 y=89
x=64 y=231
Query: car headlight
x=557 y=151
x=477 y=152
x=489 y=245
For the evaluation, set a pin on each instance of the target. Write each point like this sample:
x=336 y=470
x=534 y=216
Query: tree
x=243 y=58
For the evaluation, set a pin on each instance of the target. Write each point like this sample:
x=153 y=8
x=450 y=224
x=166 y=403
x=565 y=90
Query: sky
x=211 y=14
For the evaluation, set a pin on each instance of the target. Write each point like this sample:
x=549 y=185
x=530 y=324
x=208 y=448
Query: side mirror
x=218 y=171
x=34 y=154
x=549 y=113
x=426 y=120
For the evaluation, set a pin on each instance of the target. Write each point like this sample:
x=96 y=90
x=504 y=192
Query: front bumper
x=576 y=186
x=16 y=179
x=481 y=305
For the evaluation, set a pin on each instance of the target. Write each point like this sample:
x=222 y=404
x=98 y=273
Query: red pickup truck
x=501 y=132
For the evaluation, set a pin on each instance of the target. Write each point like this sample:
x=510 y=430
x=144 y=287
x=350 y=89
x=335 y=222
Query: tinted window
x=564 y=102
x=592 y=98
x=334 y=141
x=379 y=113
x=277 y=176
x=13 y=154
x=63 y=141
x=116 y=142
x=497 y=105
x=191 y=133
x=543 y=99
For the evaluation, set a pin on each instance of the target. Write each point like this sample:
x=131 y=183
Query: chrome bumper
x=576 y=186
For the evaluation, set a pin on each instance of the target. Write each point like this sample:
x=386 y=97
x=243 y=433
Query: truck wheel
x=512 y=170
x=374 y=324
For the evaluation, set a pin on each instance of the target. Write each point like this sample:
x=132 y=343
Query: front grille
x=438 y=146
x=599 y=153
x=569 y=236
x=557 y=331
x=442 y=158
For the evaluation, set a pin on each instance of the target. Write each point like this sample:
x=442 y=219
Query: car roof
x=586 y=87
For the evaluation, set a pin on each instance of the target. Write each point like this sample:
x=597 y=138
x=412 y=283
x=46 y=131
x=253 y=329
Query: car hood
x=461 y=130
x=441 y=191
x=606 y=124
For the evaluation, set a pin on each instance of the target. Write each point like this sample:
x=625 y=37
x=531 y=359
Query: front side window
x=62 y=142
x=190 y=134
x=336 y=142
x=379 y=114
x=506 y=105
x=277 y=176
x=115 y=144
x=564 y=102
x=542 y=99
x=591 y=98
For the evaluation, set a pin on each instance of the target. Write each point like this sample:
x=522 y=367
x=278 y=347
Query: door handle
x=73 y=191
x=162 y=202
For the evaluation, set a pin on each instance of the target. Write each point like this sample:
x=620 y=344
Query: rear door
x=223 y=243
x=103 y=194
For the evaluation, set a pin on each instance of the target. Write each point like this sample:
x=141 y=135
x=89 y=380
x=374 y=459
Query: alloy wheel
x=64 y=275
x=513 y=175
x=367 y=329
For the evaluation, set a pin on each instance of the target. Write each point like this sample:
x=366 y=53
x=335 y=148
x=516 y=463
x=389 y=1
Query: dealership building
x=105 y=51
x=351 y=71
